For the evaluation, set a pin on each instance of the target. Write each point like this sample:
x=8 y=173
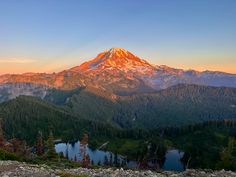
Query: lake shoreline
x=99 y=157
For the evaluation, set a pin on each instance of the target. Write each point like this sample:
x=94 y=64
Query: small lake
x=172 y=160
x=72 y=151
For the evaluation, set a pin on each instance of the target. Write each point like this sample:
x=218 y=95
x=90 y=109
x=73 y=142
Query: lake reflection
x=172 y=161
x=72 y=151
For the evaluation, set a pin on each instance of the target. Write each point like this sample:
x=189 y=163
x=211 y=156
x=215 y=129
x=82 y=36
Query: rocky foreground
x=18 y=169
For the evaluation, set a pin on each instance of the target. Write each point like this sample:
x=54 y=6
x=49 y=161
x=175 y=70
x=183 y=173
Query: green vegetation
x=175 y=106
x=190 y=118
x=65 y=174
x=93 y=105
x=125 y=146
x=206 y=145
x=59 y=163
x=96 y=112
x=59 y=97
x=25 y=116
x=203 y=146
x=51 y=152
x=228 y=155
x=5 y=155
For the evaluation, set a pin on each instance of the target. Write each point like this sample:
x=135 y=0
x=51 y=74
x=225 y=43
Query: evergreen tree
x=106 y=161
x=67 y=151
x=110 y=161
x=51 y=152
x=39 y=144
x=228 y=156
x=84 y=155
x=16 y=145
x=116 y=159
x=123 y=163
x=2 y=139
x=75 y=158
x=99 y=163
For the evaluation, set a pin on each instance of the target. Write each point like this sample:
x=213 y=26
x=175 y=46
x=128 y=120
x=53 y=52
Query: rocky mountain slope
x=121 y=72
x=10 y=91
x=120 y=89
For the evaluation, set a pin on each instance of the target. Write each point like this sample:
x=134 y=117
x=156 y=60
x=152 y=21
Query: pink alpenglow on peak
x=119 y=71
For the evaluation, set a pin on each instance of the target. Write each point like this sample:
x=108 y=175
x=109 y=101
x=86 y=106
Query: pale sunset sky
x=52 y=35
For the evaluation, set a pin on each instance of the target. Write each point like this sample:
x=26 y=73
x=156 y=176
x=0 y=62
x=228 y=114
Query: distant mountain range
x=117 y=71
x=117 y=89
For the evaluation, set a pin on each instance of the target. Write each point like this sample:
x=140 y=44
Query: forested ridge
x=196 y=119
x=24 y=116
x=68 y=113
x=176 y=106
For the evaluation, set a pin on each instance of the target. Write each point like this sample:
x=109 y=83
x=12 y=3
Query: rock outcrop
x=19 y=169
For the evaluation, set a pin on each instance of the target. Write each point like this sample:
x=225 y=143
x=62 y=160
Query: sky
x=53 y=35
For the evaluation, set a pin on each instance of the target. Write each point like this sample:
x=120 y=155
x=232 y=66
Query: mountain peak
x=119 y=71
x=116 y=49
x=113 y=58
x=118 y=52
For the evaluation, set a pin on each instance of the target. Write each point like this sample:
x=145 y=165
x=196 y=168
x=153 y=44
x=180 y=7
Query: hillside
x=132 y=121
x=67 y=111
x=131 y=124
x=24 y=116
x=175 y=106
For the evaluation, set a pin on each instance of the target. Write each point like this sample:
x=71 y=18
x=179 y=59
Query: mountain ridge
x=175 y=106
x=123 y=73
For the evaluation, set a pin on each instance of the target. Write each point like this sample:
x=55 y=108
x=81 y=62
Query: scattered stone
x=18 y=169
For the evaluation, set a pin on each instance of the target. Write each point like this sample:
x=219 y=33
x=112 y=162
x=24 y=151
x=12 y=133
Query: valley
x=138 y=110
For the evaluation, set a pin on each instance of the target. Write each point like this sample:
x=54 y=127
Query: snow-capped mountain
x=115 y=58
x=121 y=72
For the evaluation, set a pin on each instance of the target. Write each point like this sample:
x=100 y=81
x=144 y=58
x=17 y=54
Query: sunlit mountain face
x=120 y=72
x=121 y=89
